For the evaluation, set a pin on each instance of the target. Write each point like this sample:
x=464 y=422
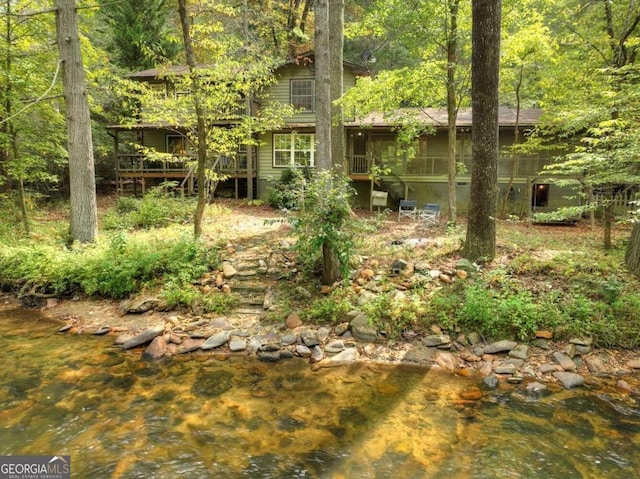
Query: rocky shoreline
x=535 y=365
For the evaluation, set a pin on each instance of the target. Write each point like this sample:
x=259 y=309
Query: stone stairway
x=250 y=270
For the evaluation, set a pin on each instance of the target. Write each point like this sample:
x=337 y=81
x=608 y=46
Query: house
x=419 y=173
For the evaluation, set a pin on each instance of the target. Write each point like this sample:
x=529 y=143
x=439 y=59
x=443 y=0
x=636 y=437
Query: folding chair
x=430 y=214
x=408 y=208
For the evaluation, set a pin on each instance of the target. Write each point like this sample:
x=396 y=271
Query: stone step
x=248 y=287
x=256 y=311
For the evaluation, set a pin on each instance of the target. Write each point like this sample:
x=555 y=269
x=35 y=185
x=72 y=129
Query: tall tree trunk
x=336 y=46
x=324 y=140
x=323 y=85
x=82 y=182
x=452 y=110
x=632 y=256
x=516 y=142
x=607 y=220
x=485 y=67
x=196 y=94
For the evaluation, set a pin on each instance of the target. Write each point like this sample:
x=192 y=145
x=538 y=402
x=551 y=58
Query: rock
x=474 y=338
x=434 y=273
x=462 y=274
x=341 y=328
x=419 y=354
x=347 y=356
x=310 y=337
x=216 y=340
x=225 y=288
x=570 y=350
x=367 y=274
x=471 y=394
x=541 y=343
x=595 y=364
x=303 y=351
x=505 y=369
x=228 y=271
x=435 y=340
x=269 y=347
x=548 y=368
x=288 y=339
x=317 y=355
x=219 y=280
x=269 y=356
x=490 y=382
x=500 y=347
x=542 y=334
x=470 y=357
x=445 y=278
x=536 y=387
x=446 y=361
x=335 y=347
x=634 y=364
x=564 y=361
x=323 y=334
x=144 y=337
x=486 y=368
x=569 y=380
x=398 y=266
x=624 y=386
x=189 y=345
x=583 y=349
x=102 y=330
x=325 y=289
x=156 y=350
x=515 y=379
x=139 y=306
x=362 y=330
x=237 y=344
x=293 y=321
x=64 y=328
x=521 y=351
x=514 y=361
x=581 y=341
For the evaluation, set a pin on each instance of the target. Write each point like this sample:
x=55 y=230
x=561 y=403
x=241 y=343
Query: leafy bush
x=154 y=210
x=331 y=308
x=324 y=222
x=115 y=270
x=288 y=191
x=395 y=312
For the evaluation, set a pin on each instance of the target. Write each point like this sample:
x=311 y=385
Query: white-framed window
x=294 y=149
x=303 y=94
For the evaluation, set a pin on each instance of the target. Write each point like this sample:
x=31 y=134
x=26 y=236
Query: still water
x=199 y=417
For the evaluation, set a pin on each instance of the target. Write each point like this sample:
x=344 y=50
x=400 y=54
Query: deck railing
x=437 y=165
x=140 y=164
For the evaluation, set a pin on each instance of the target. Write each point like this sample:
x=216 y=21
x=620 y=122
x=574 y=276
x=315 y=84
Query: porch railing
x=437 y=165
x=140 y=164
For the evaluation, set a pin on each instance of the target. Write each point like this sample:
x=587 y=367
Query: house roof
x=438 y=117
x=306 y=58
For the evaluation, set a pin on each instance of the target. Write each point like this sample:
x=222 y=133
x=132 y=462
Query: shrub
x=288 y=191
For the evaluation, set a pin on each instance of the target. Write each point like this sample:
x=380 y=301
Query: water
x=198 y=417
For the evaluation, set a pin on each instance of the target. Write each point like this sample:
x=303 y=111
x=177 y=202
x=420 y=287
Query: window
x=294 y=149
x=303 y=94
x=176 y=145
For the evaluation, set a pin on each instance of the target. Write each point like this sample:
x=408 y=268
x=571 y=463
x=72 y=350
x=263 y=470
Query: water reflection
x=196 y=416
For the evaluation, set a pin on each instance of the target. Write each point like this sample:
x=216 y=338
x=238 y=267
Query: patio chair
x=430 y=214
x=408 y=208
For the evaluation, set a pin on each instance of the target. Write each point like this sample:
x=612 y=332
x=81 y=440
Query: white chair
x=408 y=208
x=430 y=214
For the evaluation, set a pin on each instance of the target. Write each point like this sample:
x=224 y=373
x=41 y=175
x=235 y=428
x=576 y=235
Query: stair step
x=247 y=311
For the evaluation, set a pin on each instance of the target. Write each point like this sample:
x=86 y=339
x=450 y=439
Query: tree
x=207 y=103
x=84 y=217
x=436 y=75
x=595 y=113
x=140 y=33
x=481 y=227
x=30 y=125
x=632 y=256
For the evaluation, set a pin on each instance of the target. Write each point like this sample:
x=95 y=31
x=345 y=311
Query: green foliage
x=115 y=270
x=155 y=210
x=395 y=312
x=331 y=308
x=325 y=220
x=179 y=293
x=287 y=192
